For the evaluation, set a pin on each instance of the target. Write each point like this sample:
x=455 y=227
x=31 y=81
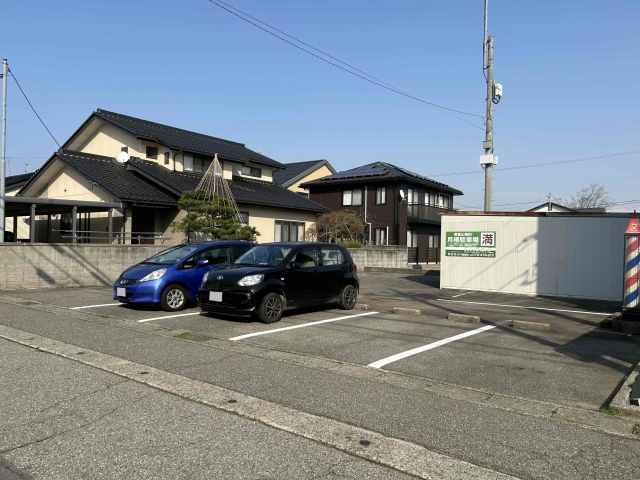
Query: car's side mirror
x=203 y=262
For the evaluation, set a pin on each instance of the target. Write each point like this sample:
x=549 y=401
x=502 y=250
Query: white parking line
x=526 y=308
x=93 y=306
x=310 y=324
x=465 y=293
x=168 y=316
x=424 y=348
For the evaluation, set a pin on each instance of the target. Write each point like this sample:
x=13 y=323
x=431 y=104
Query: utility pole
x=494 y=93
x=549 y=205
x=5 y=68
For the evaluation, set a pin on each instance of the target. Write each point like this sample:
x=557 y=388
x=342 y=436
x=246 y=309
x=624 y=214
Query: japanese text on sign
x=470 y=244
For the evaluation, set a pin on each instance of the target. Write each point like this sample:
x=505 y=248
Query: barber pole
x=631 y=295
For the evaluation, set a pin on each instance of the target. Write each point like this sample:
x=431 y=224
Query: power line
x=34 y=110
x=535 y=165
x=553 y=187
x=375 y=81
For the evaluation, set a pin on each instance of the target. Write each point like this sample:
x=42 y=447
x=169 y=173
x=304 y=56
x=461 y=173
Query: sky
x=569 y=70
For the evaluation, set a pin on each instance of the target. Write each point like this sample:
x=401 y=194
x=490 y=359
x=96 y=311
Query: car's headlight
x=155 y=275
x=250 y=280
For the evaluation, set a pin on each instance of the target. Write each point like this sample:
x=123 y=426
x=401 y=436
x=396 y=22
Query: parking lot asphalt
x=563 y=366
x=62 y=419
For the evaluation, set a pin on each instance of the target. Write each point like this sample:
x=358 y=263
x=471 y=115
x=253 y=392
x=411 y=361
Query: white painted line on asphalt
x=168 y=316
x=424 y=348
x=310 y=324
x=465 y=293
x=526 y=308
x=93 y=306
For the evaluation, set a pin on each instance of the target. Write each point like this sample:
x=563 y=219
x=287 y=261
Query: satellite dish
x=123 y=157
x=402 y=194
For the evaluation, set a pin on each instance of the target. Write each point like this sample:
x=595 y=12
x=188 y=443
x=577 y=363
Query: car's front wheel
x=174 y=298
x=348 y=297
x=271 y=308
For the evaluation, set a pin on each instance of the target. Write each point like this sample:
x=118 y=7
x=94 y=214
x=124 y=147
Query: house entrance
x=143 y=224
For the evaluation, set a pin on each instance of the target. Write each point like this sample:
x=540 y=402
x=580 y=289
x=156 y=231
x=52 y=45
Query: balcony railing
x=417 y=211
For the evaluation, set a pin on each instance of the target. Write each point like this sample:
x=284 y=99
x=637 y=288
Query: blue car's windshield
x=264 y=256
x=171 y=256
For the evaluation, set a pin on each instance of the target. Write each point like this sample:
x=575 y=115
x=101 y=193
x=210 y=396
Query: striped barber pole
x=631 y=297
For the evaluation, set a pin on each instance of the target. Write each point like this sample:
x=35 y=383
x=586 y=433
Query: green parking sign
x=470 y=244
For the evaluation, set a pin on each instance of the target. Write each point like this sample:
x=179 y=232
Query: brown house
x=399 y=207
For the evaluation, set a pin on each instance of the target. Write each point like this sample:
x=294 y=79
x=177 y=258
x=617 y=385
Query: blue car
x=171 y=277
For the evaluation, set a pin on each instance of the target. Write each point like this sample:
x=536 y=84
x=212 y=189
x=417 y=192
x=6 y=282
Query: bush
x=351 y=244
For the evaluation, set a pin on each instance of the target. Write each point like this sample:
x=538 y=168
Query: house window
x=166 y=158
x=187 y=162
x=381 y=236
x=381 y=196
x=445 y=201
x=66 y=222
x=152 y=152
x=251 y=171
x=412 y=196
x=245 y=217
x=289 y=231
x=412 y=238
x=431 y=198
x=125 y=149
x=352 y=197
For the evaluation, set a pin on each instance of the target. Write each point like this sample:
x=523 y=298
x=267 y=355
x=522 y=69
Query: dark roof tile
x=253 y=192
x=380 y=171
x=179 y=139
x=111 y=175
x=296 y=169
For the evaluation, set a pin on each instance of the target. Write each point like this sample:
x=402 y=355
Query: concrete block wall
x=380 y=256
x=59 y=265
x=45 y=265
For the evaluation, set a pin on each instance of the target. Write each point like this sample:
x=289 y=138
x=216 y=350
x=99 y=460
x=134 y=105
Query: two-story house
x=298 y=173
x=399 y=207
x=145 y=167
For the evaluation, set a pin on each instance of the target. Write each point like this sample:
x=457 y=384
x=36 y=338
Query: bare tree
x=593 y=196
x=336 y=226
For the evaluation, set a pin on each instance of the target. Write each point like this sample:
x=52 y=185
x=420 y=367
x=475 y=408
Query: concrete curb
x=407 y=311
x=458 y=317
x=611 y=335
x=410 y=271
x=621 y=400
x=361 y=306
x=399 y=454
x=535 y=326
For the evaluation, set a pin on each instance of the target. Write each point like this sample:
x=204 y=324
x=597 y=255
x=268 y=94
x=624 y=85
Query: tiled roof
x=179 y=139
x=380 y=171
x=15 y=180
x=112 y=176
x=253 y=192
x=295 y=170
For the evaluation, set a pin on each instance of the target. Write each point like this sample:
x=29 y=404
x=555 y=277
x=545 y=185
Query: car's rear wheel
x=271 y=308
x=174 y=298
x=348 y=297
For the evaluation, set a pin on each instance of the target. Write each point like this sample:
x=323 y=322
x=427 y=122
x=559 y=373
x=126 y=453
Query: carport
x=30 y=206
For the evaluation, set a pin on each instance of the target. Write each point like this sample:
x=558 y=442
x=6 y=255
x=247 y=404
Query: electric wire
x=380 y=83
x=34 y=110
x=535 y=165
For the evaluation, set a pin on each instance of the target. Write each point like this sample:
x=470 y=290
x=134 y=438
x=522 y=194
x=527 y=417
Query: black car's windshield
x=264 y=256
x=171 y=256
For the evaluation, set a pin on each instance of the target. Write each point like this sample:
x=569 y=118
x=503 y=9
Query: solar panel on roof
x=358 y=172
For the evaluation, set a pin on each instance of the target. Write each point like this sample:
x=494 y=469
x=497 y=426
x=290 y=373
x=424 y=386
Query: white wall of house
x=558 y=255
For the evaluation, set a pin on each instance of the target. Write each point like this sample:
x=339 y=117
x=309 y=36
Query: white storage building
x=536 y=253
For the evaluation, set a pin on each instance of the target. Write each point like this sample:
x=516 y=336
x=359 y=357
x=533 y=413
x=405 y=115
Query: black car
x=273 y=277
